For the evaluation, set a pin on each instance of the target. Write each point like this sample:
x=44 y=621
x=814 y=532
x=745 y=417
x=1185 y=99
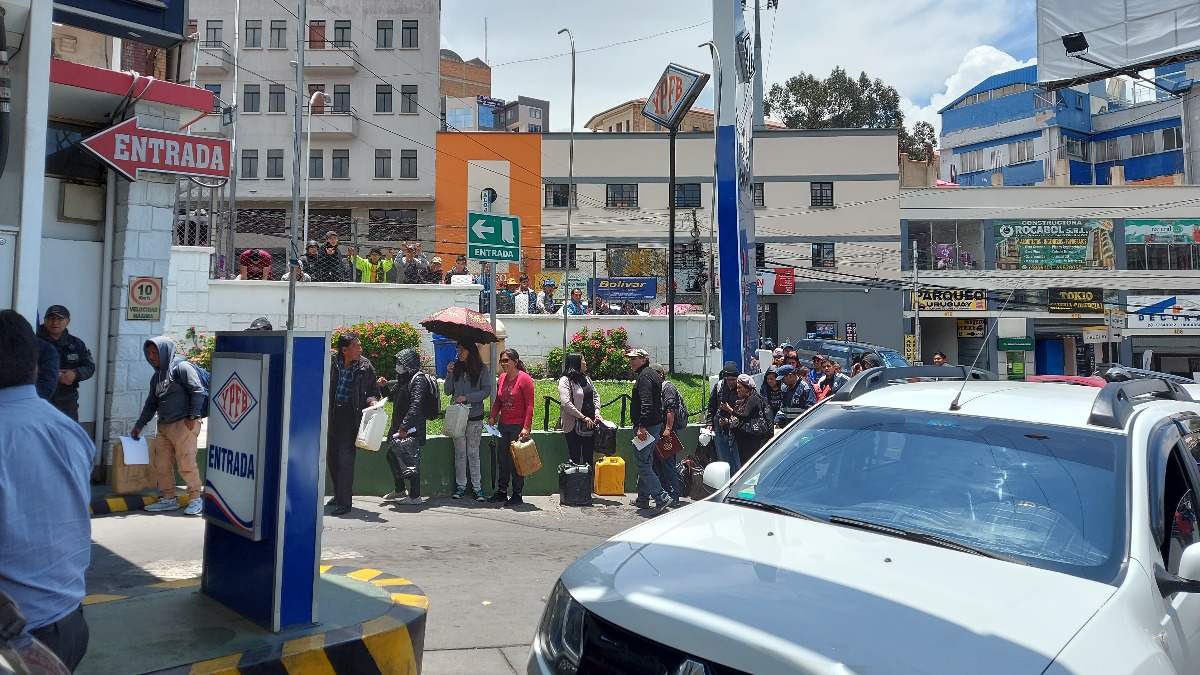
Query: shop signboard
x=1095 y=335
x=910 y=348
x=1014 y=344
x=1076 y=301
x=1055 y=244
x=1183 y=231
x=624 y=288
x=777 y=281
x=968 y=299
x=851 y=331
x=1163 y=311
x=972 y=328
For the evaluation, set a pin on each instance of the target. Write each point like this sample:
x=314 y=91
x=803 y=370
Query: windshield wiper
x=923 y=537
x=767 y=506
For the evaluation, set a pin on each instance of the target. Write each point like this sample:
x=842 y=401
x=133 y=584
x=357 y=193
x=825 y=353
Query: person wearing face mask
x=352 y=387
x=407 y=394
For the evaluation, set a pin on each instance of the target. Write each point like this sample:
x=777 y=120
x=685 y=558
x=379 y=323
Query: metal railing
x=625 y=400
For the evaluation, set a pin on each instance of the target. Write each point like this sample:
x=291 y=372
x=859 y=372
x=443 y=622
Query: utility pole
x=916 y=292
x=233 y=152
x=671 y=261
x=301 y=99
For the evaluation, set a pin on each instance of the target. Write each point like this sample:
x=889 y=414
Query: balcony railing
x=331 y=56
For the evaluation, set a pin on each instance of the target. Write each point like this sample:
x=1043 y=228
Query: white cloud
x=978 y=64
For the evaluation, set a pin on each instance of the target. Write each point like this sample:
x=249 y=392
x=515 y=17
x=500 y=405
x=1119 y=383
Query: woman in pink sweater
x=514 y=404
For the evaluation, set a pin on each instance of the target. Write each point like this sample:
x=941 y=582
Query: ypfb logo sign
x=235 y=401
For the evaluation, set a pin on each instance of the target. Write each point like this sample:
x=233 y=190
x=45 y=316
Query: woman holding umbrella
x=468 y=381
x=513 y=404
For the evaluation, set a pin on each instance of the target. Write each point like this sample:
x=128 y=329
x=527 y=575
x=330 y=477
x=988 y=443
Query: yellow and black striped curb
x=390 y=644
x=102 y=505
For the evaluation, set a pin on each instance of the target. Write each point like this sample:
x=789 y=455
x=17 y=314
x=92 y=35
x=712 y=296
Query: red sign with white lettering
x=130 y=149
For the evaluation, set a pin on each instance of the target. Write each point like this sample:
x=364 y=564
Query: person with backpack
x=675 y=416
x=411 y=395
x=178 y=395
x=580 y=410
x=513 y=408
x=469 y=381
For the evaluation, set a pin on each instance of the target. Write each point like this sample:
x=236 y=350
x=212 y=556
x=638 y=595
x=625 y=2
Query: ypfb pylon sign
x=129 y=149
x=233 y=482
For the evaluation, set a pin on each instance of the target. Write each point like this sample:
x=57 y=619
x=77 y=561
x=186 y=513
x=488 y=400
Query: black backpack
x=431 y=406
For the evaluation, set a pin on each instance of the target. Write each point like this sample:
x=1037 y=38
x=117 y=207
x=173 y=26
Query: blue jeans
x=648 y=483
x=668 y=475
x=727 y=451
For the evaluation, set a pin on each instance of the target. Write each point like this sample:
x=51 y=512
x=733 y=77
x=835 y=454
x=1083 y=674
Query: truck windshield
x=1051 y=497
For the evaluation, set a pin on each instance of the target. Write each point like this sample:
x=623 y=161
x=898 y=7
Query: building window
x=250 y=100
x=822 y=255
x=383 y=163
x=535 y=113
x=316 y=163
x=556 y=257
x=535 y=128
x=341 y=34
x=275 y=98
x=212 y=34
x=687 y=195
x=275 y=164
x=945 y=244
x=408 y=163
x=759 y=195
x=1180 y=256
x=556 y=196
x=974 y=160
x=341 y=164
x=460 y=118
x=1020 y=152
x=383 y=33
x=1172 y=138
x=341 y=98
x=316 y=35
x=821 y=194
x=408 y=98
x=383 y=98
x=404 y=216
x=1074 y=147
x=408 y=34
x=1105 y=151
x=622 y=196
x=392 y=224
x=760 y=255
x=1143 y=144
x=249 y=164
x=279 y=34
x=216 y=92
x=253 y=32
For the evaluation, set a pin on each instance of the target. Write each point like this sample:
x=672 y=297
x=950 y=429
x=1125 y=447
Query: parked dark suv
x=847 y=353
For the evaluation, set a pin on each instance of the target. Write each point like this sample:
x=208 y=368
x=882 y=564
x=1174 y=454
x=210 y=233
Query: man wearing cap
x=255 y=263
x=545 y=298
x=647 y=413
x=434 y=274
x=329 y=264
x=372 y=269
x=74 y=359
x=506 y=297
x=725 y=391
x=798 y=395
x=308 y=261
x=410 y=268
x=524 y=298
x=817 y=370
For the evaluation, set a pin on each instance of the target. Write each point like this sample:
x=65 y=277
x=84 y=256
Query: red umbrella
x=680 y=308
x=459 y=323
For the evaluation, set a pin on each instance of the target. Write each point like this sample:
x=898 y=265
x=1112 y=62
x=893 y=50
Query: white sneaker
x=395 y=497
x=194 y=507
x=413 y=501
x=171 y=504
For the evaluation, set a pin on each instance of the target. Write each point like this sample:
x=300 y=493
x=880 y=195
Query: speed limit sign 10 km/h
x=145 y=299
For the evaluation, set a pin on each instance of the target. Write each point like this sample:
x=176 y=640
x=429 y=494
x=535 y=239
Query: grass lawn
x=691 y=387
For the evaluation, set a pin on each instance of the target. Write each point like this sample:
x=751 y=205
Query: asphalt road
x=486 y=570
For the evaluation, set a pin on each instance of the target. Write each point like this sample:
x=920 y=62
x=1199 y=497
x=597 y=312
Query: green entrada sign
x=493 y=238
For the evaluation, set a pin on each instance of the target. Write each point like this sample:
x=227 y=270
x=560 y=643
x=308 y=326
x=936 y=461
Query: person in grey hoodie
x=469 y=381
x=177 y=397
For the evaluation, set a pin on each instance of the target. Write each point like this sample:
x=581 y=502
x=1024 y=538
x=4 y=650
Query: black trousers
x=508 y=434
x=398 y=477
x=70 y=408
x=67 y=638
x=340 y=450
x=578 y=446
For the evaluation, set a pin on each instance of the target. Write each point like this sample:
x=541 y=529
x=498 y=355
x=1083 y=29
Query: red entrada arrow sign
x=130 y=149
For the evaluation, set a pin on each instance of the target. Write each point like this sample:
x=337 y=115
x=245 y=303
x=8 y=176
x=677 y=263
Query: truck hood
x=768 y=593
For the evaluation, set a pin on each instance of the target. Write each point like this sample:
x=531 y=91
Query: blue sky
x=931 y=51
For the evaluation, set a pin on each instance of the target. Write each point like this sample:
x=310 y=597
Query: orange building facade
x=510 y=164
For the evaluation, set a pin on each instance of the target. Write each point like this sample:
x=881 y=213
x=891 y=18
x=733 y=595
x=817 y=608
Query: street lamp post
x=712 y=212
x=312 y=101
x=294 y=257
x=570 y=195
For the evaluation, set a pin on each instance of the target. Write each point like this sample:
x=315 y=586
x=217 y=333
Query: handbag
x=666 y=446
x=588 y=410
x=760 y=425
x=525 y=457
x=606 y=438
x=455 y=424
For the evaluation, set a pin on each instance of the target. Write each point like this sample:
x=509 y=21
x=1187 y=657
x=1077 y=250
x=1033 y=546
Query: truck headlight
x=560 y=634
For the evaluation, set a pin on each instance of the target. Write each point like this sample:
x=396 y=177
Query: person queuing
x=513 y=408
x=545 y=299
x=772 y=389
x=469 y=381
x=408 y=429
x=718 y=420
x=817 y=370
x=373 y=269
x=45 y=531
x=177 y=397
x=580 y=410
x=667 y=469
x=747 y=407
x=798 y=395
x=352 y=387
x=47 y=370
x=831 y=380
x=74 y=359
x=647 y=414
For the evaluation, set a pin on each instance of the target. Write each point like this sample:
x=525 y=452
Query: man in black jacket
x=725 y=391
x=407 y=433
x=352 y=387
x=647 y=415
x=74 y=359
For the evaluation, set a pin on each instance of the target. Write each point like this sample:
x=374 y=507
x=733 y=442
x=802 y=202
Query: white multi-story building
x=372 y=158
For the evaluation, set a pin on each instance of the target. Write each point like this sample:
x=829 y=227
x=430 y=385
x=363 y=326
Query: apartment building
x=372 y=160
x=464 y=79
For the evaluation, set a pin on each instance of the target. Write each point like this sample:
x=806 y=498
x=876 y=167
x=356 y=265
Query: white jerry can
x=373 y=427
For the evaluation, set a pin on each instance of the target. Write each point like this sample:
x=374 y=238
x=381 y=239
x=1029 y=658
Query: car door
x=1173 y=514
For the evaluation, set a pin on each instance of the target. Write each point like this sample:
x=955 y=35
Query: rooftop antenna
x=485 y=54
x=954 y=406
